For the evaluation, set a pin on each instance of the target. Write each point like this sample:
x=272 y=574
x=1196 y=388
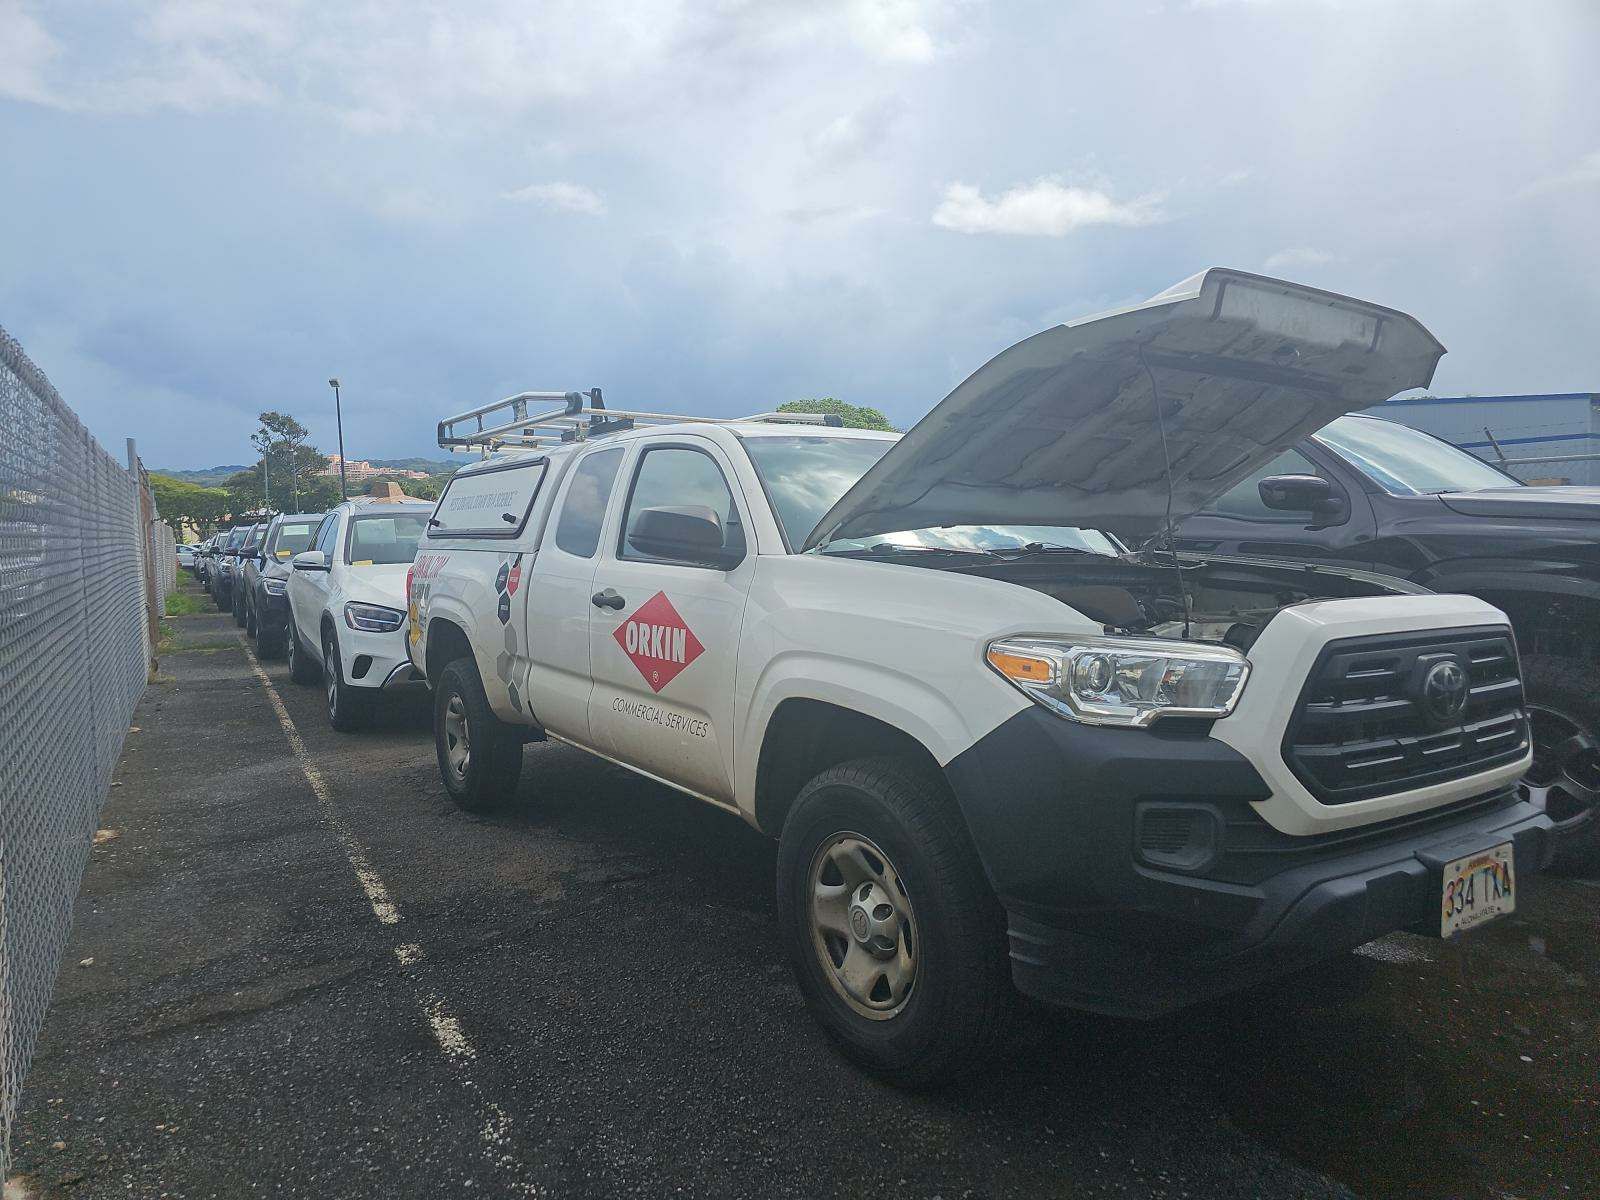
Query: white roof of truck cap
x=1062 y=428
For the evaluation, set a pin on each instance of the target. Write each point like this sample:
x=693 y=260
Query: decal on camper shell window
x=657 y=642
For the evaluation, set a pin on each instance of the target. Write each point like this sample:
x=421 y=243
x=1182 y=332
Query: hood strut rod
x=1166 y=456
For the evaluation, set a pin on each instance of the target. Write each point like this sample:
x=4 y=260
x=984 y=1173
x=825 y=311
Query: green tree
x=855 y=416
x=201 y=508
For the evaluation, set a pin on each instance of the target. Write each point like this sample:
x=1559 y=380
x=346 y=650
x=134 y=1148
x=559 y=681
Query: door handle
x=607 y=599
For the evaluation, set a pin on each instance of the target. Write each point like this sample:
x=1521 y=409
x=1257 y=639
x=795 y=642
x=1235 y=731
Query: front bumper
x=376 y=660
x=1107 y=911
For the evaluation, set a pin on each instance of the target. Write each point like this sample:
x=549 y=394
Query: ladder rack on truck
x=581 y=415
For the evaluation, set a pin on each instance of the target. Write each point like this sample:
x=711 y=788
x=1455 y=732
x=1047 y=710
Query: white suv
x=999 y=750
x=347 y=604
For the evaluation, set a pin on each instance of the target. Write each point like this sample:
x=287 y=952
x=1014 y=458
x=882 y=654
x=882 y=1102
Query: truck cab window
x=676 y=477
x=1243 y=499
x=578 y=530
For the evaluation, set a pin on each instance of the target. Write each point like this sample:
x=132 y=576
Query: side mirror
x=689 y=534
x=1301 y=493
x=309 y=560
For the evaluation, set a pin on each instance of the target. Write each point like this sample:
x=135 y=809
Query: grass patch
x=185 y=602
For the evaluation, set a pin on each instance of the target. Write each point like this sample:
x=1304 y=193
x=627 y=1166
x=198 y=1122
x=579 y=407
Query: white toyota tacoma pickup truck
x=1000 y=749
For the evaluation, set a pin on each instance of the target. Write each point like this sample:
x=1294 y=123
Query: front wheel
x=1564 y=711
x=479 y=756
x=349 y=708
x=302 y=666
x=896 y=940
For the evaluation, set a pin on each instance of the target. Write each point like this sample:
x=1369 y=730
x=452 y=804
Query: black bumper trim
x=1053 y=808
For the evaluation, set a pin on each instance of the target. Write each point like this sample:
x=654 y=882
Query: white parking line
x=444 y=1026
x=382 y=907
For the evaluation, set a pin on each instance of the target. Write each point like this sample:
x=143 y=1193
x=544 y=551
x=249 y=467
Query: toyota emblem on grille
x=1444 y=692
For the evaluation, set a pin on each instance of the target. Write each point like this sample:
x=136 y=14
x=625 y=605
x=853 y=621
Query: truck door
x=1237 y=522
x=664 y=636
x=559 y=612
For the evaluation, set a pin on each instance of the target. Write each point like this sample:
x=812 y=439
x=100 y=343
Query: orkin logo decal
x=659 y=643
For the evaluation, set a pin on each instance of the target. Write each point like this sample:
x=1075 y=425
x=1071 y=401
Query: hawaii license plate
x=1477 y=888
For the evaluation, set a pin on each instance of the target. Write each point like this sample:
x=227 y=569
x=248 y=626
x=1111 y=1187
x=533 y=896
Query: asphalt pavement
x=309 y=974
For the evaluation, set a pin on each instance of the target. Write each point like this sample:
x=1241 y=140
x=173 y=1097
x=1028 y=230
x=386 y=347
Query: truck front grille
x=1387 y=714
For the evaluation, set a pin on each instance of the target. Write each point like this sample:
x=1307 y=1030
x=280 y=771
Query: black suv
x=264 y=581
x=224 y=565
x=1369 y=493
x=250 y=548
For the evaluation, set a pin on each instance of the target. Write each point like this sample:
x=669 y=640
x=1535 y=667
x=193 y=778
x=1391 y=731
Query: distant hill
x=433 y=466
x=214 y=476
x=210 y=477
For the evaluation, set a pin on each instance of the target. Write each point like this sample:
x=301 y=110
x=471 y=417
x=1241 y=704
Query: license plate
x=1477 y=888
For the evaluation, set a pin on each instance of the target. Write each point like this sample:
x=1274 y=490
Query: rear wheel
x=349 y=708
x=1564 y=710
x=302 y=666
x=896 y=940
x=480 y=757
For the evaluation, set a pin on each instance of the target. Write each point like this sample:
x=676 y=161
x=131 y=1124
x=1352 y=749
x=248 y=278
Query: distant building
x=360 y=468
x=1558 y=425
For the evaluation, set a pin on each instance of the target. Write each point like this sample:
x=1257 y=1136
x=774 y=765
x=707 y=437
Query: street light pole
x=338 y=416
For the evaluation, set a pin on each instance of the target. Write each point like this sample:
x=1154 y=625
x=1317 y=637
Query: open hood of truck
x=1062 y=429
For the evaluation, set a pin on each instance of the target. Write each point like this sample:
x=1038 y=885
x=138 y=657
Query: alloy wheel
x=1565 y=774
x=863 y=927
x=457 y=738
x=330 y=672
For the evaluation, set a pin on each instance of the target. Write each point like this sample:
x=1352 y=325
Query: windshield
x=376 y=541
x=293 y=537
x=805 y=476
x=237 y=536
x=1406 y=462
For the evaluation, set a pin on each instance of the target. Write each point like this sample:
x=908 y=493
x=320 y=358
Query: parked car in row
x=203 y=561
x=186 y=553
x=347 y=603
x=999 y=751
x=266 y=579
x=1379 y=496
x=225 y=564
x=248 y=550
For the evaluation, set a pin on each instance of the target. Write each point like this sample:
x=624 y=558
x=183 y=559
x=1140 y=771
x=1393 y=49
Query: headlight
x=1123 y=681
x=275 y=587
x=372 y=617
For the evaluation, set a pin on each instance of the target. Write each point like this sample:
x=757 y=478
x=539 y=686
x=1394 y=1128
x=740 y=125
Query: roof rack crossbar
x=581 y=415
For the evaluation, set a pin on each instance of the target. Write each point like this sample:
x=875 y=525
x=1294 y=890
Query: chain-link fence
x=83 y=574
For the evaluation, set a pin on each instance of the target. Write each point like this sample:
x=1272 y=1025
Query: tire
x=270 y=643
x=250 y=626
x=222 y=604
x=898 y=824
x=487 y=777
x=303 y=667
x=1563 y=697
x=238 y=606
x=350 y=709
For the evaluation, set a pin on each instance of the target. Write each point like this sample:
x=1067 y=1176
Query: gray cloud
x=210 y=208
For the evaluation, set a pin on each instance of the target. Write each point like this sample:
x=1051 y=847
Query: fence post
x=147 y=559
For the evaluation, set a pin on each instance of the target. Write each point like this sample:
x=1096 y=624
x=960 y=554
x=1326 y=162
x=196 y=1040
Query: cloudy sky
x=207 y=207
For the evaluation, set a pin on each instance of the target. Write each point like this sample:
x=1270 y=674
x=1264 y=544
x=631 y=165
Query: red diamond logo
x=656 y=639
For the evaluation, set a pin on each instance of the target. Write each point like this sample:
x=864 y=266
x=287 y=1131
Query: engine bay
x=1221 y=600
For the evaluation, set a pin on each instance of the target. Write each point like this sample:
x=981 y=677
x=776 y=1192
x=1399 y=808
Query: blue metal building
x=1511 y=429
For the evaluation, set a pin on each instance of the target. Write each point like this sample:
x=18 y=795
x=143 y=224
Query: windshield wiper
x=888 y=549
x=1032 y=548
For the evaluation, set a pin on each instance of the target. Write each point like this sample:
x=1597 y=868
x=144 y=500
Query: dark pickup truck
x=1368 y=493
